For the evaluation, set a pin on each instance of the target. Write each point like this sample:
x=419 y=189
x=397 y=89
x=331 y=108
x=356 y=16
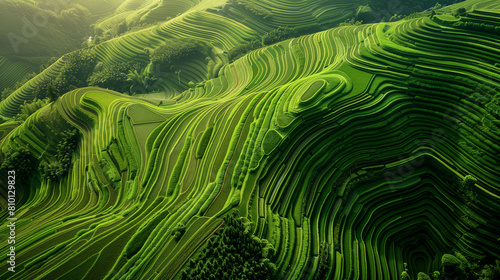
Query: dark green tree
x=20 y=160
x=404 y=274
x=232 y=253
x=56 y=167
x=175 y=51
x=423 y=276
x=490 y=272
x=451 y=268
x=114 y=76
x=277 y=35
x=178 y=231
x=52 y=92
x=28 y=108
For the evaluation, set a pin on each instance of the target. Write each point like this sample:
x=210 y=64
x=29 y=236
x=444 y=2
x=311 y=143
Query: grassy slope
x=12 y=71
x=382 y=145
x=31 y=33
x=220 y=31
x=48 y=32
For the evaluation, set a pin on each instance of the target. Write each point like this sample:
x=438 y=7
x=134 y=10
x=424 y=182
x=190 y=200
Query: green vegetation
x=458 y=267
x=166 y=56
x=58 y=166
x=74 y=73
x=232 y=253
x=178 y=231
x=351 y=22
x=6 y=91
x=140 y=237
x=253 y=8
x=274 y=36
x=19 y=159
x=9 y=90
x=461 y=12
x=205 y=139
x=113 y=77
x=77 y=67
x=44 y=29
x=277 y=35
x=243 y=49
x=29 y=108
x=387 y=9
x=324 y=263
x=198 y=140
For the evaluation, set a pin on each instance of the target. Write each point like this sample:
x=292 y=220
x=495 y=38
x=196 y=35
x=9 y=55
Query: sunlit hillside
x=242 y=139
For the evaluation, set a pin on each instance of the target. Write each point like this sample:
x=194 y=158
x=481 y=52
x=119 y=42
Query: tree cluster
x=481 y=27
x=20 y=160
x=78 y=66
x=274 y=36
x=386 y=9
x=28 y=108
x=279 y=34
x=59 y=166
x=461 y=12
x=100 y=35
x=351 y=22
x=467 y=189
x=142 y=81
x=174 y=51
x=243 y=49
x=113 y=77
x=252 y=8
x=458 y=267
x=178 y=231
x=382 y=10
x=324 y=263
x=232 y=253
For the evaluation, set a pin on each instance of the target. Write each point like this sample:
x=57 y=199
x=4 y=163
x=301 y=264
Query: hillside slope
x=352 y=153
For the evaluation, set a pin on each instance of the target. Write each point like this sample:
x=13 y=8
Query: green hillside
x=218 y=25
x=258 y=140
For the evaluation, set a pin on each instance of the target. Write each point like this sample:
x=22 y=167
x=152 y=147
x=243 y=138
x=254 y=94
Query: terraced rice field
x=13 y=71
x=347 y=149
